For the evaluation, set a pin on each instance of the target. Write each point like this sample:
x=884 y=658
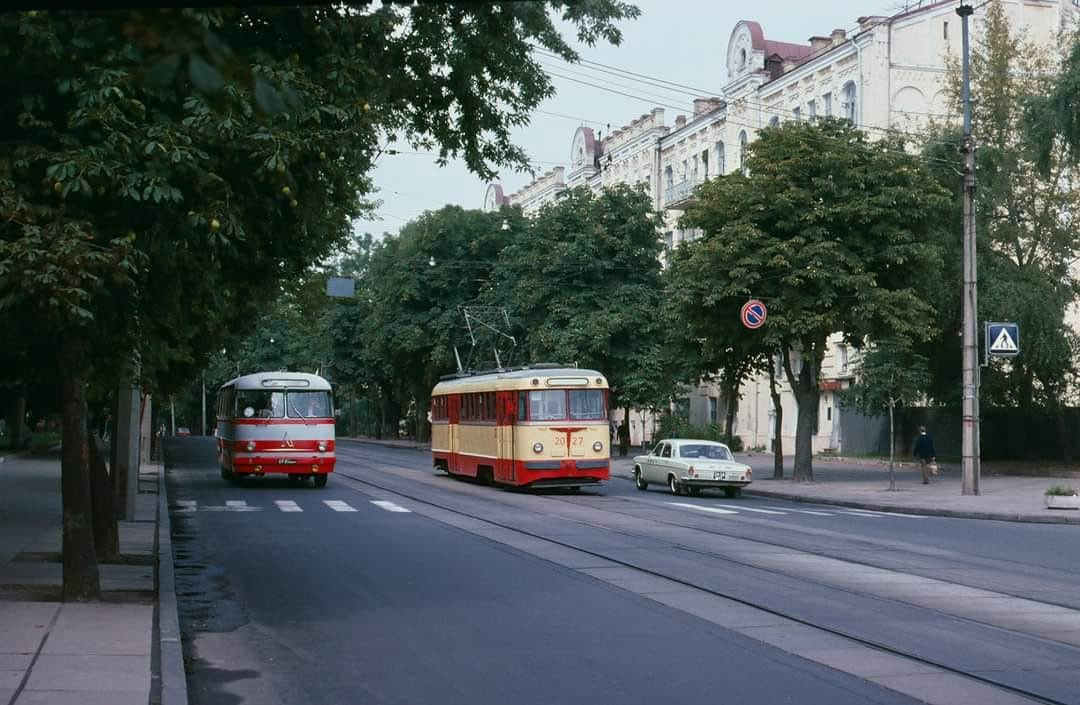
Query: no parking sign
x=753 y=314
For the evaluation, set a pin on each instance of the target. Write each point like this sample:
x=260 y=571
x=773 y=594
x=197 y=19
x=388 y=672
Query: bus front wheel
x=320 y=480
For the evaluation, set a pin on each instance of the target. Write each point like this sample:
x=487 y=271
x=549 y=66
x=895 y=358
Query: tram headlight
x=538 y=447
x=251 y=446
x=322 y=446
x=598 y=446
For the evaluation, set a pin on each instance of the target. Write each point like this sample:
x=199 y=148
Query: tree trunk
x=423 y=401
x=80 y=562
x=18 y=419
x=731 y=396
x=892 y=447
x=807 y=396
x=778 y=431
x=119 y=480
x=106 y=534
x=624 y=433
x=1062 y=434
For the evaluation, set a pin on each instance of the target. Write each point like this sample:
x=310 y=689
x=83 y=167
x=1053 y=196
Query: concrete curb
x=171 y=652
x=399 y=445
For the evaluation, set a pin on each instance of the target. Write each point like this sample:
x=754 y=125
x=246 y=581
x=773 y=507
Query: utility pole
x=970 y=409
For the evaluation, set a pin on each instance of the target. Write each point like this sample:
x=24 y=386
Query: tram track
x=852 y=637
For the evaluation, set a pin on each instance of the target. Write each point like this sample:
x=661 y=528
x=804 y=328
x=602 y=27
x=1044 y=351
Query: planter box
x=1062 y=501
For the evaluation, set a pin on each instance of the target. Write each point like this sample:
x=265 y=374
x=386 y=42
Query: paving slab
x=79 y=630
x=950 y=689
x=91 y=672
x=81 y=697
x=868 y=663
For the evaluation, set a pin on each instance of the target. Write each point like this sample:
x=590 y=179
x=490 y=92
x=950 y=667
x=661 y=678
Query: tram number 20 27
x=576 y=441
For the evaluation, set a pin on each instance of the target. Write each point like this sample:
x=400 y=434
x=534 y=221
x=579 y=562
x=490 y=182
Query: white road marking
x=711 y=510
x=389 y=506
x=287 y=505
x=186 y=505
x=871 y=512
x=237 y=503
x=802 y=511
x=751 y=509
x=338 y=506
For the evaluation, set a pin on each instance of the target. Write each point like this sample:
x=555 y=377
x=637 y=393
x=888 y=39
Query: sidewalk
x=864 y=484
x=55 y=653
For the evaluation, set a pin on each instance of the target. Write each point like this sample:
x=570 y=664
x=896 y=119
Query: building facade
x=887 y=76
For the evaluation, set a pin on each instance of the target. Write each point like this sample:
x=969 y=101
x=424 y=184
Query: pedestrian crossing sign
x=1003 y=339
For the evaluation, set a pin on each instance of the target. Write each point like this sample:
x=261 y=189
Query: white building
x=887 y=75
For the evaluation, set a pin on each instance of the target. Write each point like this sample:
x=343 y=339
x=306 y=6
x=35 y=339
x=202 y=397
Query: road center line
x=802 y=511
x=751 y=509
x=711 y=510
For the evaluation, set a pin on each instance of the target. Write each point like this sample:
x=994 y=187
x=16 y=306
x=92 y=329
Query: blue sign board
x=1002 y=339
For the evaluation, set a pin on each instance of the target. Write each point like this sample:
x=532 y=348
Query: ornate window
x=742 y=149
x=849 y=97
x=720 y=158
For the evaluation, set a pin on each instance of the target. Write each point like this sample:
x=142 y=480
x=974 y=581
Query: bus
x=543 y=426
x=276 y=423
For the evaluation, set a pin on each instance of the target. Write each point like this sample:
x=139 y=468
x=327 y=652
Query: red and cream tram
x=540 y=426
x=276 y=422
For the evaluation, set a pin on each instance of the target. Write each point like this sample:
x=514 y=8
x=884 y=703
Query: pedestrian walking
x=924 y=451
x=624 y=439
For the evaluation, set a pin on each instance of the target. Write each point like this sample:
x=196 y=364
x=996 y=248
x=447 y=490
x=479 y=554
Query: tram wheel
x=320 y=480
x=673 y=485
x=639 y=480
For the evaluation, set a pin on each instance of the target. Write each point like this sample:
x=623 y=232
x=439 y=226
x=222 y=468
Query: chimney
x=838 y=36
x=866 y=23
x=680 y=121
x=818 y=44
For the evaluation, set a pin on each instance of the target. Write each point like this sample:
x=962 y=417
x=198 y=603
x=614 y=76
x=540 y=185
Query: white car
x=687 y=465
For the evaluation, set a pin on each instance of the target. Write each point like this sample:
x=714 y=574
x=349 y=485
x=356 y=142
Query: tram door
x=504 y=436
x=454 y=427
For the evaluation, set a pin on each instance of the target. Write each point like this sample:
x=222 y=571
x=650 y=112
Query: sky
x=682 y=41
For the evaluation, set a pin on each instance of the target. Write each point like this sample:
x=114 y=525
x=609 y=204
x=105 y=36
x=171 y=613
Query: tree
x=891 y=374
x=595 y=298
x=832 y=231
x=162 y=171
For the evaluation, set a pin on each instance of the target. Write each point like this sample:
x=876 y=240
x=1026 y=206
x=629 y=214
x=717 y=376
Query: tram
x=276 y=422
x=542 y=426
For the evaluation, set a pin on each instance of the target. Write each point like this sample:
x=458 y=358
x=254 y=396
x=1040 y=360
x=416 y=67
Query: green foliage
x=595 y=296
x=674 y=426
x=832 y=231
x=890 y=374
x=1061 y=491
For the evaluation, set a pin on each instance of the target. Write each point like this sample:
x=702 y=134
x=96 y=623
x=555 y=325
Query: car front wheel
x=639 y=480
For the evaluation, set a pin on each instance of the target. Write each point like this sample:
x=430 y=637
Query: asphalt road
x=396 y=585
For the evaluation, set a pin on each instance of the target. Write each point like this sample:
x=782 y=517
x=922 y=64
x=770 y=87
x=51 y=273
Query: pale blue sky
x=682 y=41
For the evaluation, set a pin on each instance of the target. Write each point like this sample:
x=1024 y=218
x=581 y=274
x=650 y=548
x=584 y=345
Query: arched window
x=742 y=149
x=849 y=96
x=774 y=121
x=720 y=158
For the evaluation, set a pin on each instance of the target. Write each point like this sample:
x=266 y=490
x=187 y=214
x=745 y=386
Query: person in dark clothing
x=924 y=451
x=624 y=439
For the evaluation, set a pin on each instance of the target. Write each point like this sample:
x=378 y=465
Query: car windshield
x=707 y=452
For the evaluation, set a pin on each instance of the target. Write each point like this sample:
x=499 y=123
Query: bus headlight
x=251 y=446
x=538 y=447
x=598 y=446
x=322 y=446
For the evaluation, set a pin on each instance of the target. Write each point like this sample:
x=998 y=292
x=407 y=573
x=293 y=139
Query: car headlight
x=538 y=447
x=251 y=446
x=322 y=446
x=598 y=446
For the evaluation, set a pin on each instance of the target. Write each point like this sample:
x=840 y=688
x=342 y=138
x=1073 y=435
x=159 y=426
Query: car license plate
x=286 y=461
x=718 y=476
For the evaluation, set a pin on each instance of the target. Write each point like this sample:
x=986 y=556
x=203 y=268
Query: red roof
x=786 y=50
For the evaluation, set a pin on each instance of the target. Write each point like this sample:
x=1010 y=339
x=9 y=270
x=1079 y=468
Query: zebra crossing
x=728 y=509
x=190 y=506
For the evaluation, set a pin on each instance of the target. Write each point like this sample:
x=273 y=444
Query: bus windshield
x=261 y=404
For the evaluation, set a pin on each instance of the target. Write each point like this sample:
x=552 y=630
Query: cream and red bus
x=541 y=426
x=276 y=422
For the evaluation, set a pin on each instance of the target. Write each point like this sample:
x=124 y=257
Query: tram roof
x=280 y=380
x=520 y=378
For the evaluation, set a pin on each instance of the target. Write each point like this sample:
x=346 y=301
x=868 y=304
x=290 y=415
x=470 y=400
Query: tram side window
x=439 y=409
x=523 y=406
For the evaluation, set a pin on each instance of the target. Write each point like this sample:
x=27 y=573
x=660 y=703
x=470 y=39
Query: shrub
x=1061 y=490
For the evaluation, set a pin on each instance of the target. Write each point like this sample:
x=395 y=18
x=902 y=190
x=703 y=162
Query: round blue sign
x=753 y=314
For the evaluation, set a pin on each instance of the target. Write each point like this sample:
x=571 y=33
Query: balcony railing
x=682 y=192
